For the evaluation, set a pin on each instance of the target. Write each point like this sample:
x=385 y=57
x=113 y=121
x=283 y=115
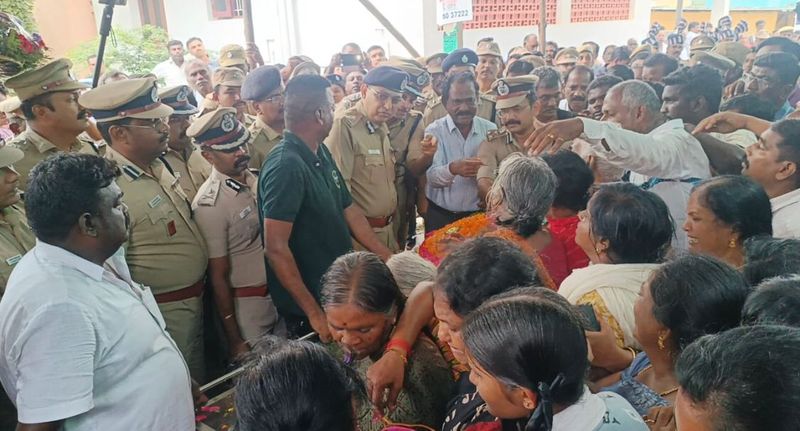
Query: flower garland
x=440 y=243
x=20 y=50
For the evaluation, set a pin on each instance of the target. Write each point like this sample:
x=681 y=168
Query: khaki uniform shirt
x=364 y=155
x=346 y=103
x=16 y=238
x=227 y=214
x=262 y=140
x=165 y=249
x=498 y=145
x=36 y=149
x=192 y=172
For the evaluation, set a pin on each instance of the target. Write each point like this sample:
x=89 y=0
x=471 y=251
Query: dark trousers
x=437 y=217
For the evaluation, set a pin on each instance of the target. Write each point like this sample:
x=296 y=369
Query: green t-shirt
x=306 y=189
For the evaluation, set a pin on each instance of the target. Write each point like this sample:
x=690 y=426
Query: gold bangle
x=399 y=352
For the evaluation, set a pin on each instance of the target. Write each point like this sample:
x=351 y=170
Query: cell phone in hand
x=349 y=60
x=588 y=317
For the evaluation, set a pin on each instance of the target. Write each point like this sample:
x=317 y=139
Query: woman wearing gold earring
x=528 y=358
x=723 y=212
x=666 y=323
x=626 y=232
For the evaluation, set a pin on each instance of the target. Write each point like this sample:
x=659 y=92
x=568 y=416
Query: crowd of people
x=551 y=238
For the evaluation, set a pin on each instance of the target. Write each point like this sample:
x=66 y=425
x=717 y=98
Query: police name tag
x=374 y=152
x=11 y=261
x=156 y=201
x=245 y=212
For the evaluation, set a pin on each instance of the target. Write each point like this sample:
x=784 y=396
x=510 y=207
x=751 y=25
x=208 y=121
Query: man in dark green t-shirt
x=308 y=214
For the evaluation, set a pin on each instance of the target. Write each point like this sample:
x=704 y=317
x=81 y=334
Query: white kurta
x=85 y=344
x=668 y=152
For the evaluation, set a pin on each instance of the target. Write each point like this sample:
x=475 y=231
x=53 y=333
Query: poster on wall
x=453 y=11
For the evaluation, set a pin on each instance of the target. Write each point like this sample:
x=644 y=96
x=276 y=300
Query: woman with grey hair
x=522 y=194
x=409 y=270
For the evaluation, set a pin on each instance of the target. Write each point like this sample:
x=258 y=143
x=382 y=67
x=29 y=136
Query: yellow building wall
x=666 y=18
x=64 y=24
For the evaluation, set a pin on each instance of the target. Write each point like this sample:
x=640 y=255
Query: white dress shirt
x=171 y=73
x=85 y=344
x=453 y=192
x=668 y=153
x=786 y=215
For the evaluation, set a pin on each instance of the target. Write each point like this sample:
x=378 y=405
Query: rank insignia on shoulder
x=233 y=185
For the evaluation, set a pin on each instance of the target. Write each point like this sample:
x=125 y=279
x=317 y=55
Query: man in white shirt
x=660 y=154
x=772 y=162
x=171 y=70
x=452 y=188
x=83 y=346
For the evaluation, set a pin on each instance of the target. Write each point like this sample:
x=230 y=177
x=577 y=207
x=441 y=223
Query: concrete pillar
x=563 y=12
x=720 y=8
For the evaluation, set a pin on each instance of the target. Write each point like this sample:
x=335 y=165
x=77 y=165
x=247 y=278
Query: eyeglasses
x=277 y=98
x=384 y=97
x=154 y=124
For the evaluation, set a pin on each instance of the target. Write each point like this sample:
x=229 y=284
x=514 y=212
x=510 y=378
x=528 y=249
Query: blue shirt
x=453 y=192
x=785 y=110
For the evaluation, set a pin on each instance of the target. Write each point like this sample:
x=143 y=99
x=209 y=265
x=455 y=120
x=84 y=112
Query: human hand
x=429 y=145
x=735 y=89
x=607 y=354
x=551 y=136
x=466 y=167
x=385 y=380
x=723 y=122
x=320 y=325
x=238 y=348
x=200 y=399
x=661 y=419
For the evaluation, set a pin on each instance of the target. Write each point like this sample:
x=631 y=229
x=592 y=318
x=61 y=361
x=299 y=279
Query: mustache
x=580 y=98
x=242 y=161
x=82 y=115
x=512 y=123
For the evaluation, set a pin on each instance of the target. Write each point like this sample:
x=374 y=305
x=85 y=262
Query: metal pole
x=386 y=23
x=105 y=30
x=678 y=12
x=247 y=11
x=542 y=24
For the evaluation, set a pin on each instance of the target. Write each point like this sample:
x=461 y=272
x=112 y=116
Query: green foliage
x=134 y=51
x=22 y=9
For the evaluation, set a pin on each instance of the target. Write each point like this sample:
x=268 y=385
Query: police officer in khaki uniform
x=165 y=249
x=405 y=127
x=516 y=104
x=183 y=158
x=16 y=237
x=565 y=61
x=233 y=55
x=263 y=91
x=227 y=93
x=49 y=96
x=227 y=214
x=360 y=145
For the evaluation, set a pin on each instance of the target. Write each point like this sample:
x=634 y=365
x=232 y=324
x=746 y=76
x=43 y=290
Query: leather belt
x=249 y=292
x=379 y=222
x=192 y=291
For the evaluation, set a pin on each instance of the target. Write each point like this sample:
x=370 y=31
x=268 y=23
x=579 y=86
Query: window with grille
x=509 y=13
x=225 y=9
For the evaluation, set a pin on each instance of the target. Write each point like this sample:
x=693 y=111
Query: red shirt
x=563 y=255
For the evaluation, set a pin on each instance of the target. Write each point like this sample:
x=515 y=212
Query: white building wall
x=566 y=33
x=319 y=28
